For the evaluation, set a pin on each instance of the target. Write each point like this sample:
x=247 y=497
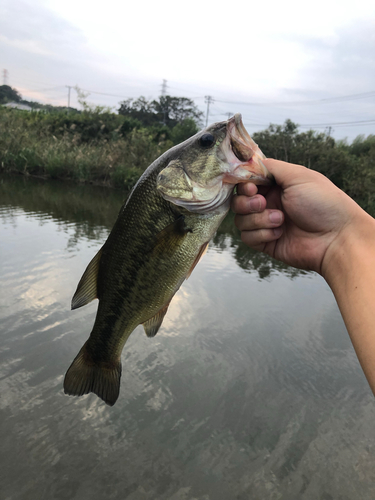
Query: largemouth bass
x=160 y=234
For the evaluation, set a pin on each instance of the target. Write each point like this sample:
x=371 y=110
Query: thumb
x=285 y=173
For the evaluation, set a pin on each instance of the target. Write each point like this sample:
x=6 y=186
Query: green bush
x=49 y=145
x=350 y=167
x=102 y=147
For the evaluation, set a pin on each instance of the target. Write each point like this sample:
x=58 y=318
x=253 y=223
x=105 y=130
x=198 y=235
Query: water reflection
x=91 y=212
x=251 y=389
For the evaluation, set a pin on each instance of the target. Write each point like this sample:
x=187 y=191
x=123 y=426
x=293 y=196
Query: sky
x=312 y=62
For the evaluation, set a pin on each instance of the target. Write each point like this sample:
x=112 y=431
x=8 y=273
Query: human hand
x=302 y=220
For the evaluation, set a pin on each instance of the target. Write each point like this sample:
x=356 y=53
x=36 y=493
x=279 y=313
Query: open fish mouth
x=243 y=156
x=243 y=159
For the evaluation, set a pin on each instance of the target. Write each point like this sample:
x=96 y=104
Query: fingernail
x=277 y=231
x=254 y=204
x=275 y=217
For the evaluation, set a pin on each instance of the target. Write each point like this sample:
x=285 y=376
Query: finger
x=247 y=188
x=285 y=173
x=257 y=239
x=246 y=205
x=265 y=220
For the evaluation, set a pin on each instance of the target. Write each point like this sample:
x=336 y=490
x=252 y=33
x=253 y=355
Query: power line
x=49 y=89
x=327 y=100
x=363 y=95
x=104 y=93
x=188 y=92
x=209 y=100
x=319 y=125
x=358 y=122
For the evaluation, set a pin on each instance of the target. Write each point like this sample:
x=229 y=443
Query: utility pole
x=5 y=77
x=208 y=99
x=69 y=87
x=229 y=115
x=163 y=94
x=329 y=131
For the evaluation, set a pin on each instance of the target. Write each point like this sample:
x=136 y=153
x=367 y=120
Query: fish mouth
x=243 y=156
x=240 y=160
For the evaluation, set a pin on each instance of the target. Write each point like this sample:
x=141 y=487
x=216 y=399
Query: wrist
x=352 y=248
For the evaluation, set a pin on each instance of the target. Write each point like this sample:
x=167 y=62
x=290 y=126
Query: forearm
x=350 y=272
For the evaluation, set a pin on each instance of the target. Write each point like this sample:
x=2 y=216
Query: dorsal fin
x=153 y=324
x=87 y=286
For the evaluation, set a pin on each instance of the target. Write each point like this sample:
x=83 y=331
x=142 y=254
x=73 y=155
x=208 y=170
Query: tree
x=8 y=94
x=278 y=140
x=174 y=110
x=139 y=109
x=168 y=110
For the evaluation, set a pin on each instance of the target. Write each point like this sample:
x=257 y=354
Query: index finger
x=247 y=188
x=250 y=189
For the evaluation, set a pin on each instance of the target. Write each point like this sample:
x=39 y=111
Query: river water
x=250 y=390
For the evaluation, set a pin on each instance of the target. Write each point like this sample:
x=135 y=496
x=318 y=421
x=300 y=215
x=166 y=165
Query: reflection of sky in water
x=251 y=388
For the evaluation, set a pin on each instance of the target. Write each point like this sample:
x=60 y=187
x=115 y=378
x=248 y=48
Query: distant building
x=17 y=105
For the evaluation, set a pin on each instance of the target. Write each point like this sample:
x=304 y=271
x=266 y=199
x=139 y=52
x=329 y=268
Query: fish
x=162 y=231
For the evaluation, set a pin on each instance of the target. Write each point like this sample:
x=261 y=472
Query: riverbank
x=56 y=147
x=103 y=148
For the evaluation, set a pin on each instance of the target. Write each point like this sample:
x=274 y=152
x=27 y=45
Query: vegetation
x=350 y=166
x=8 y=94
x=167 y=110
x=100 y=146
x=93 y=145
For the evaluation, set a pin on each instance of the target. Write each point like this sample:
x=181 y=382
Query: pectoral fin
x=172 y=236
x=152 y=325
x=202 y=251
x=87 y=286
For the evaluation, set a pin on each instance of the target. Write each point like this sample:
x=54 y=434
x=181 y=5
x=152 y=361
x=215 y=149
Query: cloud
x=117 y=51
x=342 y=63
x=32 y=46
x=33 y=28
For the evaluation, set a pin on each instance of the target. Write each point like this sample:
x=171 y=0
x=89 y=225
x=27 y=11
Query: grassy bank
x=112 y=149
x=350 y=166
x=60 y=147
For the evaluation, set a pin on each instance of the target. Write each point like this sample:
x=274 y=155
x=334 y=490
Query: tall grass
x=31 y=143
x=101 y=147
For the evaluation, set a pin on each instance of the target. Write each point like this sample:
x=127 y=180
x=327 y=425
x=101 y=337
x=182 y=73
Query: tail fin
x=84 y=376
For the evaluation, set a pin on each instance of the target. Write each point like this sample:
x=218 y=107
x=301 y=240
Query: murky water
x=250 y=390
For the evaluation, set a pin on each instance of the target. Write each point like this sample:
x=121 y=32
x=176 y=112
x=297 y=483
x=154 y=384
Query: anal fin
x=87 y=289
x=153 y=324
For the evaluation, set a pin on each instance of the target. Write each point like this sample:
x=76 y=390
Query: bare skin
x=307 y=222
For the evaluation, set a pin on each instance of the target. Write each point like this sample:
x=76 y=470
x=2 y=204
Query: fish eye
x=207 y=140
